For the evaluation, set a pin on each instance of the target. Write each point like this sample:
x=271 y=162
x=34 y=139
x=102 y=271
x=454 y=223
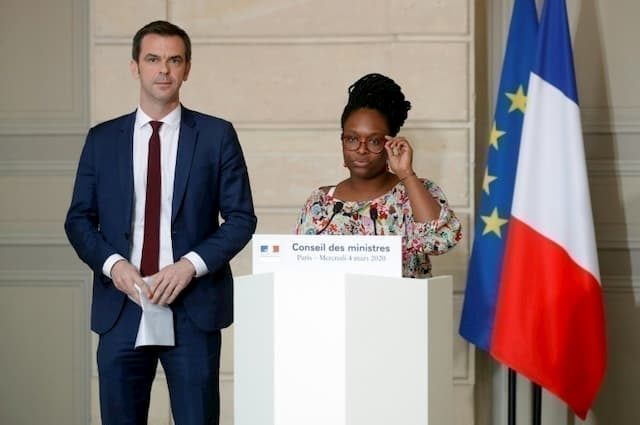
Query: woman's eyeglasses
x=373 y=144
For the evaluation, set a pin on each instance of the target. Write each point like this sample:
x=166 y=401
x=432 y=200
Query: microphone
x=373 y=213
x=337 y=207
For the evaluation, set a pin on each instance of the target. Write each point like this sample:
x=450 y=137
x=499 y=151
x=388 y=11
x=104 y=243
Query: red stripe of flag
x=549 y=318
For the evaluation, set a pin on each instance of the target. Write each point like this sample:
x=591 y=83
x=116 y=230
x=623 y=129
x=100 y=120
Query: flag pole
x=536 y=402
x=511 y=394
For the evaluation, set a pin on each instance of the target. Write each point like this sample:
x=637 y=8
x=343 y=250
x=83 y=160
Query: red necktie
x=151 y=245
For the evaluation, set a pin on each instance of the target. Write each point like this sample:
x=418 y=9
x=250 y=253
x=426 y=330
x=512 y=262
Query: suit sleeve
x=235 y=204
x=82 y=223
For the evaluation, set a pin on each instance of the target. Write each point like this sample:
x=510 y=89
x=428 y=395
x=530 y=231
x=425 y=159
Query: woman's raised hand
x=399 y=156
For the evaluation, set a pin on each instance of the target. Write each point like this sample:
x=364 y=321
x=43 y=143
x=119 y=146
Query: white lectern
x=342 y=349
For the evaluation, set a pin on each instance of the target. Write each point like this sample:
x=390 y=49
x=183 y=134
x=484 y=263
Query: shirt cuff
x=198 y=263
x=109 y=263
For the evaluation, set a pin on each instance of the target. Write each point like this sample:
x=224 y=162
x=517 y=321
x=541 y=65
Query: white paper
x=156 y=323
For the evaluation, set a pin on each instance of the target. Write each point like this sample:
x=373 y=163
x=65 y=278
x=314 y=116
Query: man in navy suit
x=148 y=195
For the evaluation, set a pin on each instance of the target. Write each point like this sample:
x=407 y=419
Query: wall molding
x=616 y=120
x=596 y=168
x=468 y=378
x=613 y=167
x=254 y=125
x=81 y=381
x=305 y=40
x=618 y=245
x=76 y=118
x=334 y=126
x=33 y=239
x=620 y=236
x=45 y=278
x=38 y=168
x=51 y=131
x=55 y=127
x=620 y=284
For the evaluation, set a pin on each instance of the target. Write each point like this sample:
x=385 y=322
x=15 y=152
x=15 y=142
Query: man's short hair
x=162 y=28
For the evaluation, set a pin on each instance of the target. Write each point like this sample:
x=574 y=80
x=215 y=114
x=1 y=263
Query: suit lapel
x=125 y=165
x=186 y=148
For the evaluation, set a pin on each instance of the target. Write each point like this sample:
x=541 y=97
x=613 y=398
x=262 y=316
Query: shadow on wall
x=615 y=403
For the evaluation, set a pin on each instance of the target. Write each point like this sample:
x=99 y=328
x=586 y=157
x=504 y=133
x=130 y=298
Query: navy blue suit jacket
x=211 y=180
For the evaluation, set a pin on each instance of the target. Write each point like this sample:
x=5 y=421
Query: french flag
x=533 y=298
x=549 y=319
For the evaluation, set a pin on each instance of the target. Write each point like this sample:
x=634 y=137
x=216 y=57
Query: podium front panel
x=309 y=347
x=253 y=352
x=387 y=351
x=327 y=348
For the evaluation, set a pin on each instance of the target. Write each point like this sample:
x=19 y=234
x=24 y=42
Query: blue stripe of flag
x=554 y=63
x=485 y=265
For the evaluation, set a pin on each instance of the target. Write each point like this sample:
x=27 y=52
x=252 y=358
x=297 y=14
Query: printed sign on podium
x=372 y=255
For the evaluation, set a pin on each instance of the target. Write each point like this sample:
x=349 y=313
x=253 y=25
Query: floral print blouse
x=394 y=217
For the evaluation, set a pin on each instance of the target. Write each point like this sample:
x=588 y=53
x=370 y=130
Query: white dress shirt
x=169 y=134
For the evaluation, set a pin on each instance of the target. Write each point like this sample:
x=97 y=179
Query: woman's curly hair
x=381 y=93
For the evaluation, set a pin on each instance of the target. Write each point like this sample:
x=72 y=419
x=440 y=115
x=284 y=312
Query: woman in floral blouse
x=383 y=195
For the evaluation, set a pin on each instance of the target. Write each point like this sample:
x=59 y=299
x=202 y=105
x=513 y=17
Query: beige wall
x=279 y=70
x=44 y=291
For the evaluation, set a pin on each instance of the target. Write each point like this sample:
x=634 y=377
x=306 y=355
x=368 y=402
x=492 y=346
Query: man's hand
x=171 y=280
x=125 y=277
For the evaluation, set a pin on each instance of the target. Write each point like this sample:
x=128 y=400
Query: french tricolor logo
x=269 y=250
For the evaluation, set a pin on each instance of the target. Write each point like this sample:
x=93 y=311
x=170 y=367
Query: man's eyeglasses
x=373 y=144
